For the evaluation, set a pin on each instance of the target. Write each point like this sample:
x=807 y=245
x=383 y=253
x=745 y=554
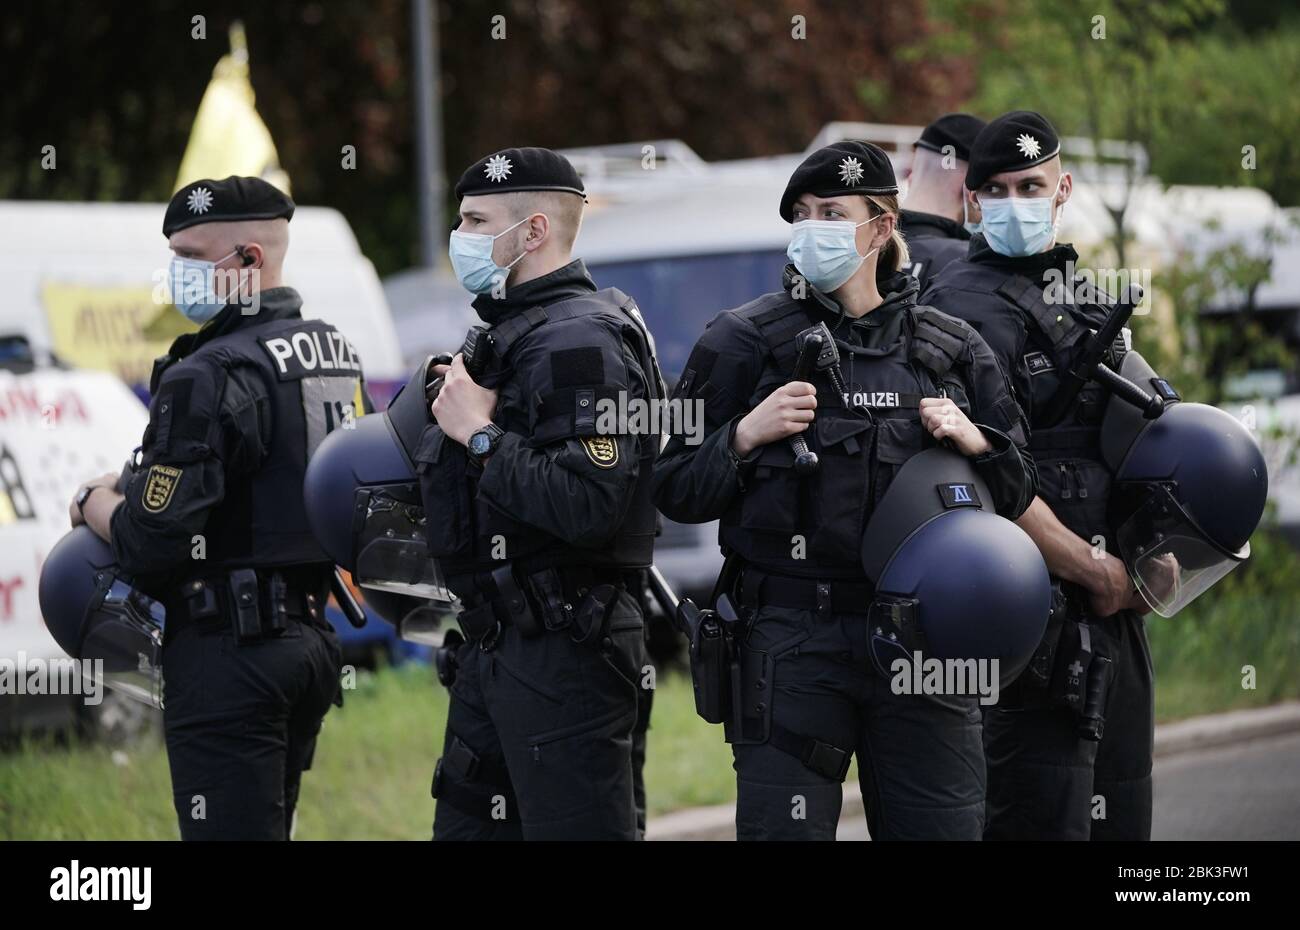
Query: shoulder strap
x=1056 y=323
x=938 y=343
x=778 y=326
x=506 y=333
x=646 y=350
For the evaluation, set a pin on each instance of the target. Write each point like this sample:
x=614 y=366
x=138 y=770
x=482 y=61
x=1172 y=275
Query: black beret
x=227 y=201
x=1012 y=142
x=840 y=168
x=956 y=129
x=527 y=169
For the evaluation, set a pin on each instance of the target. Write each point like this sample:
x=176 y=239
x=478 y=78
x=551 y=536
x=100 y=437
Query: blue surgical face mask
x=194 y=287
x=471 y=259
x=826 y=251
x=967 y=225
x=1020 y=226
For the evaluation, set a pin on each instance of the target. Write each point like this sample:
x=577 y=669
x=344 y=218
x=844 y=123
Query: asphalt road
x=1249 y=791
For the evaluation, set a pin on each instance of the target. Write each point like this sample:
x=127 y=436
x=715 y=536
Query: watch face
x=479 y=443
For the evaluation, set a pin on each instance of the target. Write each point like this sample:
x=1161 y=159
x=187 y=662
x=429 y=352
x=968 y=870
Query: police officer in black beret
x=539 y=512
x=937 y=218
x=1047 y=778
x=211 y=521
x=908 y=377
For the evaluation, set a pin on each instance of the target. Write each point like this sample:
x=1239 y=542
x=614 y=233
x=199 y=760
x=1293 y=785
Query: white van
x=81 y=277
x=78 y=332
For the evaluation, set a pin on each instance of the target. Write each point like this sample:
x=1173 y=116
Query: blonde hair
x=893 y=254
x=563 y=209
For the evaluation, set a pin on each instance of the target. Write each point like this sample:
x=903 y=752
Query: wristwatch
x=484 y=442
x=82 y=496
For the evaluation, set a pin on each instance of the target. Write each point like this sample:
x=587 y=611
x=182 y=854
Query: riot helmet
x=364 y=506
x=953 y=579
x=96 y=614
x=1189 y=490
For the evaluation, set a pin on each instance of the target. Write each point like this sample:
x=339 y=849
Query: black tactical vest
x=812 y=525
x=312 y=376
x=1073 y=479
x=559 y=414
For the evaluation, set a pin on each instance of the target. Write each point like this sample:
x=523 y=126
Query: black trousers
x=539 y=741
x=920 y=761
x=1046 y=783
x=241 y=722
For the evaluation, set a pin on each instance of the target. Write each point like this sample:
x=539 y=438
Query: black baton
x=805 y=460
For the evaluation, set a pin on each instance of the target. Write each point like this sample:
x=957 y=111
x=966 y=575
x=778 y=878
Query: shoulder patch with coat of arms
x=602 y=450
x=159 y=487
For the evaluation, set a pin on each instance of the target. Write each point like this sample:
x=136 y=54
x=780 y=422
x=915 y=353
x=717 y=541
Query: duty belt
x=260 y=602
x=577 y=596
x=832 y=596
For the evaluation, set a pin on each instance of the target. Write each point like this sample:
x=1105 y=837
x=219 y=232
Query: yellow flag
x=228 y=137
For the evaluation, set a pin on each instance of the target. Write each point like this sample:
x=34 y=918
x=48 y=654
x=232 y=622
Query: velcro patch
x=959 y=495
x=602 y=450
x=1038 y=363
x=159 y=487
x=577 y=367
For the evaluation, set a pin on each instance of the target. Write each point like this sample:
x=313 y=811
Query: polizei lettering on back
x=312 y=352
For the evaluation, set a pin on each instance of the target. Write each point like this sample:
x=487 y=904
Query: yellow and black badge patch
x=602 y=450
x=159 y=488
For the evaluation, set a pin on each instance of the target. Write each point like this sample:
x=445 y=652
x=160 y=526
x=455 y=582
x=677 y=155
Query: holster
x=1067 y=670
x=1038 y=673
x=512 y=600
x=592 y=616
x=710 y=654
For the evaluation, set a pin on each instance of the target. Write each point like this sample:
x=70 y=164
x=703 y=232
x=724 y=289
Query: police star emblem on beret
x=199 y=200
x=497 y=168
x=850 y=170
x=1028 y=145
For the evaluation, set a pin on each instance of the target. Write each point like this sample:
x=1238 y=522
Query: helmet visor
x=123 y=639
x=392 y=554
x=1170 y=559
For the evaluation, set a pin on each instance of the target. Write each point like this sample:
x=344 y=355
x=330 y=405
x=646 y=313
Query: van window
x=680 y=294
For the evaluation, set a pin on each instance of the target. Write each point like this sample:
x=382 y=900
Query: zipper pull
x=1078 y=485
x=1066 y=493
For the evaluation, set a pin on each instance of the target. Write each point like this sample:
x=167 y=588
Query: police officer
x=911 y=376
x=1046 y=780
x=539 y=512
x=936 y=219
x=211 y=522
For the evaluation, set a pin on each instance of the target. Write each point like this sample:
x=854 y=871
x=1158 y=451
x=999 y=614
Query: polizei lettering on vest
x=312 y=353
x=871 y=399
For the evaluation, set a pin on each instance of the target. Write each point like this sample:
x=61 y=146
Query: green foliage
x=1205 y=351
x=1249 y=619
x=1192 y=80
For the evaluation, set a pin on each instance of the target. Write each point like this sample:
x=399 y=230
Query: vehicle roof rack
x=601 y=163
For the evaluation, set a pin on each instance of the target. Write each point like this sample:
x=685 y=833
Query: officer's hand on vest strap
x=943 y=419
x=462 y=406
x=786 y=411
